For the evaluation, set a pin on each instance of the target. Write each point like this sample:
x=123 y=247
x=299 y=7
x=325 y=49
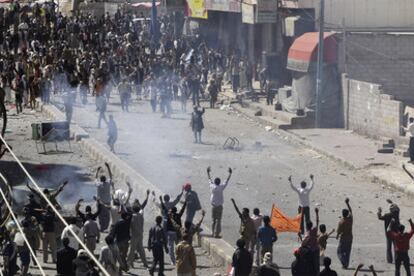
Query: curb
x=219 y=250
x=295 y=139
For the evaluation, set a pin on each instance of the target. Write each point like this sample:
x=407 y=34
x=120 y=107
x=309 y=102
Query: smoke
x=51 y=176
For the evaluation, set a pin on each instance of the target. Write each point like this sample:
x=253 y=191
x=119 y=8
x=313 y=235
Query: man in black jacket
x=121 y=233
x=48 y=236
x=242 y=260
x=65 y=256
x=156 y=243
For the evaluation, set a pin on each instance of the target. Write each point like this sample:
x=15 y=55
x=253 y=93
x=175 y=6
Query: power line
x=20 y=227
x=373 y=75
x=380 y=53
x=91 y=255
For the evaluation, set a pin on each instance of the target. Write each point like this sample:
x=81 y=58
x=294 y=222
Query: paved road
x=49 y=169
x=162 y=150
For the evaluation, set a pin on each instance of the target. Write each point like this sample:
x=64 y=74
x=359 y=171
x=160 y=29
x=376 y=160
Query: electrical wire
x=20 y=227
x=91 y=255
x=379 y=53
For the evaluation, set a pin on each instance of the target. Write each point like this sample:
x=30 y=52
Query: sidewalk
x=344 y=146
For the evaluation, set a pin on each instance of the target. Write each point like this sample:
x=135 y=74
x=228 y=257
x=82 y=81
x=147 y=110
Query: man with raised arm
x=344 y=234
x=104 y=193
x=311 y=239
x=401 y=242
x=88 y=210
x=392 y=218
x=304 y=202
x=217 y=200
x=50 y=195
x=247 y=228
x=137 y=232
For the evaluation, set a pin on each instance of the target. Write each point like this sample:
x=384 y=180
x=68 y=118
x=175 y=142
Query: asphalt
x=162 y=150
x=75 y=165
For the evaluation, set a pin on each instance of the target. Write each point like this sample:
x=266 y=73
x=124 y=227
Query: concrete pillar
x=250 y=42
x=267 y=37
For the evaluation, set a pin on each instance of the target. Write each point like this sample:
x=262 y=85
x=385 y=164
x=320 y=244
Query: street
x=164 y=152
x=49 y=170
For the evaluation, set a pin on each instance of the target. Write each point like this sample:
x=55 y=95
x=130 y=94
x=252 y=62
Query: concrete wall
x=386 y=59
x=370 y=14
x=370 y=112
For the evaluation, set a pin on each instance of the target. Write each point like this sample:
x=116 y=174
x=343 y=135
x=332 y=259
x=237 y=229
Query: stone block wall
x=383 y=58
x=368 y=111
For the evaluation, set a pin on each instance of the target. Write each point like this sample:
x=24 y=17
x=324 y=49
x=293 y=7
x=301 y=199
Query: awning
x=303 y=53
x=146 y=5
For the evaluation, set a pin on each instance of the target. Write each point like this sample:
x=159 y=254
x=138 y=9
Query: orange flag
x=282 y=223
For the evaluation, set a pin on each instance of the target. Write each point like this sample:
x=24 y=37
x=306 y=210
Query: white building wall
x=369 y=14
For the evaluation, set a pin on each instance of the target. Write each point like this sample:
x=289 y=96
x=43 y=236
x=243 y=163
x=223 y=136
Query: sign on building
x=224 y=5
x=259 y=11
x=197 y=9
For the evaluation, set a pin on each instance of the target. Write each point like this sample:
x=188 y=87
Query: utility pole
x=344 y=45
x=319 y=70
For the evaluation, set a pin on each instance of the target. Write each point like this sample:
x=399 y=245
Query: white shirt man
x=303 y=192
x=304 y=202
x=217 y=200
x=72 y=240
x=217 y=197
x=410 y=130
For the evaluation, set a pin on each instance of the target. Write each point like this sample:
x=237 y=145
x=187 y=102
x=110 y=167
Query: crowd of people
x=119 y=221
x=43 y=53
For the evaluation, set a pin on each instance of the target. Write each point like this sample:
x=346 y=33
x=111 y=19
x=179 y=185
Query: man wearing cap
x=394 y=217
x=217 y=200
x=193 y=203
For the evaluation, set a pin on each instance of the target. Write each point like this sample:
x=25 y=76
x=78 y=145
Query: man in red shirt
x=401 y=246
